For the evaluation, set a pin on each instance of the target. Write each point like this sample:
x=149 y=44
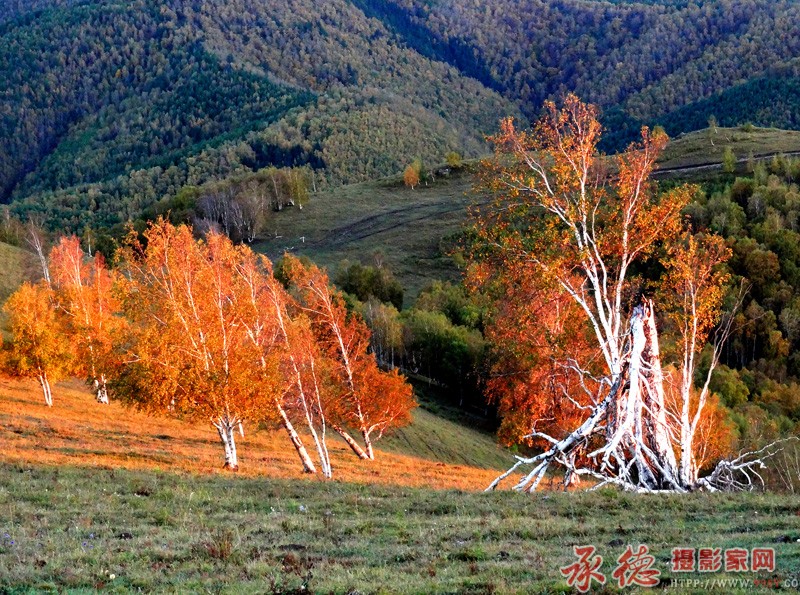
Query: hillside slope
x=15 y=264
x=78 y=431
x=107 y=106
x=415 y=230
x=151 y=97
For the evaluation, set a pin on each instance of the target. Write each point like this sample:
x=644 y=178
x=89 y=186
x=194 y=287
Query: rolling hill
x=107 y=106
x=415 y=230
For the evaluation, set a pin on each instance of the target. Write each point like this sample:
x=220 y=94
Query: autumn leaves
x=568 y=252
x=204 y=330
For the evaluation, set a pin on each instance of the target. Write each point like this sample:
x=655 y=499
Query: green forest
x=107 y=107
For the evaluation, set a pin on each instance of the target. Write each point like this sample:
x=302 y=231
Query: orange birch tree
x=269 y=325
x=84 y=295
x=188 y=351
x=39 y=349
x=560 y=247
x=369 y=399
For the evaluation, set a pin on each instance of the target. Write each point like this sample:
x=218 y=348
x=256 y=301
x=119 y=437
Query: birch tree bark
x=350 y=441
x=226 y=428
x=567 y=228
x=308 y=464
x=45 y=383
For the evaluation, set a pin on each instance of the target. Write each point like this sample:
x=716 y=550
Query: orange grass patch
x=77 y=431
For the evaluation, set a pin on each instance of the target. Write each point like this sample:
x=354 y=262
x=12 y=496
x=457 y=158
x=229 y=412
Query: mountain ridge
x=108 y=106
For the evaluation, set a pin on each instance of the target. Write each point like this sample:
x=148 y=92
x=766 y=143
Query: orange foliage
x=411 y=177
x=84 y=296
x=534 y=334
x=716 y=434
x=694 y=287
x=369 y=399
x=39 y=348
x=191 y=349
x=553 y=254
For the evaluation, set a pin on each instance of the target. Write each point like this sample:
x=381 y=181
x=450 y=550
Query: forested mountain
x=107 y=106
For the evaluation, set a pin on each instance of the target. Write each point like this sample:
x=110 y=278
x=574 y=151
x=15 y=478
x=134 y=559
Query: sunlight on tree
x=39 y=349
x=559 y=249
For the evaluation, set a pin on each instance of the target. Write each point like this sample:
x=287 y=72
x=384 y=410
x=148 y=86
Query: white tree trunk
x=322 y=450
x=48 y=394
x=322 y=445
x=305 y=459
x=640 y=435
x=35 y=241
x=354 y=446
x=101 y=389
x=226 y=427
x=368 y=444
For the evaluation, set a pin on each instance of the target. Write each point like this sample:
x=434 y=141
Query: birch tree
x=370 y=400
x=189 y=351
x=39 y=349
x=84 y=295
x=269 y=324
x=576 y=228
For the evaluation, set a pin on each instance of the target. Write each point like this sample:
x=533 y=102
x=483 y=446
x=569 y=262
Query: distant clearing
x=408 y=226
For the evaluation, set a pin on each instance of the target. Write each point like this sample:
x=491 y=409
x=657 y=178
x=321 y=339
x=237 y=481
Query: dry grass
x=705 y=146
x=76 y=431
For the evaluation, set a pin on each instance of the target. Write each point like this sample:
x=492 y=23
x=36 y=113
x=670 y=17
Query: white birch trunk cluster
x=48 y=394
x=631 y=436
x=645 y=447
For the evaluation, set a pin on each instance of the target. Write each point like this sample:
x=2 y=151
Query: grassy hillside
x=408 y=227
x=82 y=529
x=15 y=264
x=433 y=451
x=101 y=498
x=707 y=146
x=415 y=229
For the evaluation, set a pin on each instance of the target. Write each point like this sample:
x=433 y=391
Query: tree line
x=207 y=330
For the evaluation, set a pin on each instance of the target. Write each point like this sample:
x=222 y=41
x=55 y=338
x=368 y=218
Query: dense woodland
x=153 y=97
x=107 y=107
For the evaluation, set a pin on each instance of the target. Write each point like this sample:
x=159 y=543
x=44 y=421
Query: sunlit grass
x=102 y=497
x=78 y=431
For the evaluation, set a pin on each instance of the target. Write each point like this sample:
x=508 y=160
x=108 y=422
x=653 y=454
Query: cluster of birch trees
x=580 y=368
x=203 y=329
